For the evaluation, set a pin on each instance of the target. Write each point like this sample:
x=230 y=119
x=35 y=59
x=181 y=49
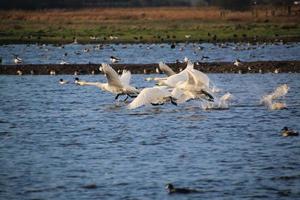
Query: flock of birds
x=175 y=88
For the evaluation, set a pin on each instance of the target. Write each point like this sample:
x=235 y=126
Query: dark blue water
x=150 y=53
x=57 y=139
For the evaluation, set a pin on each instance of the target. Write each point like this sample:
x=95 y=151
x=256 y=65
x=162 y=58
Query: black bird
x=288 y=132
x=171 y=190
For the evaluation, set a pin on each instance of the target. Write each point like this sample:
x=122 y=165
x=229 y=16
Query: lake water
x=56 y=140
x=149 y=53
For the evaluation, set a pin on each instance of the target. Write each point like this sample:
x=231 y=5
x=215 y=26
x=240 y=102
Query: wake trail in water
x=268 y=100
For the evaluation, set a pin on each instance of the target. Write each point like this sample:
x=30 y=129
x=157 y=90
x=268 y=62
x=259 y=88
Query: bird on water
x=172 y=190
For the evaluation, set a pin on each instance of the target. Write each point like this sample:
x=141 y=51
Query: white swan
x=280 y=91
x=152 y=96
x=171 y=81
x=192 y=88
x=165 y=69
x=221 y=103
x=119 y=85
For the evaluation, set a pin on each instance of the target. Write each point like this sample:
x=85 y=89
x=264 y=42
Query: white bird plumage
x=154 y=95
x=119 y=85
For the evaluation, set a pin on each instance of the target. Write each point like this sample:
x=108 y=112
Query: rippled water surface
x=149 y=53
x=71 y=142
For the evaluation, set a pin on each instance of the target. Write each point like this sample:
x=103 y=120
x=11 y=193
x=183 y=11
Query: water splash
x=221 y=103
x=268 y=99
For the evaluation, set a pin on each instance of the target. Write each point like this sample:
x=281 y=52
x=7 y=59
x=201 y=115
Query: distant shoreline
x=149 y=25
x=86 y=41
x=214 y=67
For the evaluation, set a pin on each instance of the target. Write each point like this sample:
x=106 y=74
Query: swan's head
x=61 y=80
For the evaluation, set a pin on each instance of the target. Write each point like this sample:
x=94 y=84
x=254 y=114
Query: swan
x=165 y=69
x=119 y=85
x=192 y=88
x=157 y=95
x=280 y=91
x=171 y=81
x=198 y=76
x=219 y=103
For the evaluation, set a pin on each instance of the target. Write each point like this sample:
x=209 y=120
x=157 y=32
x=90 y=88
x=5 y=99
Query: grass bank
x=148 y=25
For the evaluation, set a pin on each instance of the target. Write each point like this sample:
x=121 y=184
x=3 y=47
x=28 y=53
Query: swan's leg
x=132 y=95
x=173 y=101
x=126 y=98
x=117 y=96
x=157 y=104
x=211 y=98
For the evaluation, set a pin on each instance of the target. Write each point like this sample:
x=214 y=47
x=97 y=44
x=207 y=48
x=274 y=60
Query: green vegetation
x=144 y=25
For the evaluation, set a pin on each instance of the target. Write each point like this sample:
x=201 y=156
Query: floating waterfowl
x=114 y=59
x=62 y=82
x=237 y=62
x=286 y=132
x=172 y=190
x=17 y=60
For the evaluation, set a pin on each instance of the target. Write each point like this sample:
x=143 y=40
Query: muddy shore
x=214 y=67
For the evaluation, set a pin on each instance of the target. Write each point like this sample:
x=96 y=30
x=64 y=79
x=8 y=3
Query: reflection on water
x=149 y=53
x=70 y=142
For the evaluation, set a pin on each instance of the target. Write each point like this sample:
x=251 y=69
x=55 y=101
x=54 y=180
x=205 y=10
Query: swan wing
x=201 y=78
x=111 y=75
x=125 y=77
x=181 y=96
x=189 y=65
x=166 y=69
x=148 y=96
x=171 y=81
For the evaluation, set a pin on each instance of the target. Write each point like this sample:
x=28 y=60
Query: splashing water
x=219 y=104
x=280 y=91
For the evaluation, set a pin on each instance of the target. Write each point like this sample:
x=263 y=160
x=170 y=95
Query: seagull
x=119 y=85
x=17 y=59
x=171 y=190
x=157 y=95
x=114 y=59
x=185 y=59
x=64 y=63
x=62 y=81
x=52 y=72
x=19 y=72
x=237 y=62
